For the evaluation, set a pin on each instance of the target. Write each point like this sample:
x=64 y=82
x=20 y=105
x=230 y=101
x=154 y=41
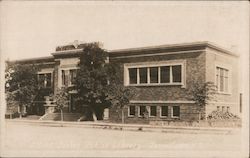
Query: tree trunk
x=122 y=116
x=61 y=114
x=20 y=111
x=94 y=116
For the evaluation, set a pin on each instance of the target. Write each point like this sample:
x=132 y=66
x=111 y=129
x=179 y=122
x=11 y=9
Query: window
x=72 y=76
x=153 y=74
x=176 y=111
x=133 y=75
x=45 y=80
x=156 y=75
x=143 y=75
x=223 y=108
x=218 y=108
x=222 y=82
x=165 y=74
x=63 y=78
x=152 y=111
x=142 y=110
x=131 y=111
x=176 y=73
x=228 y=109
x=164 y=111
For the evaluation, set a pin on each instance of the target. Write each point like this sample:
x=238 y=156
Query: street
x=34 y=140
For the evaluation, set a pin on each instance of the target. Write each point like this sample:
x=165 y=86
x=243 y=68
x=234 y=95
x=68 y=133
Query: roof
x=171 y=48
x=35 y=60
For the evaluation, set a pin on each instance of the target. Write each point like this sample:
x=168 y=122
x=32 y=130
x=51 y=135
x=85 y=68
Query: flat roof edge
x=168 y=46
x=32 y=59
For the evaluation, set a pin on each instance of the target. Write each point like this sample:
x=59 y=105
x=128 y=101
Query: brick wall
x=195 y=71
x=232 y=98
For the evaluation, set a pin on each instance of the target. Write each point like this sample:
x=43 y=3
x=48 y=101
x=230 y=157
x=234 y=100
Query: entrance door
x=72 y=104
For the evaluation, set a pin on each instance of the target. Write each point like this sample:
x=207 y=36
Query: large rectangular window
x=132 y=75
x=142 y=110
x=143 y=75
x=175 y=111
x=165 y=74
x=45 y=80
x=176 y=72
x=222 y=78
x=164 y=111
x=131 y=111
x=153 y=74
x=156 y=75
x=152 y=111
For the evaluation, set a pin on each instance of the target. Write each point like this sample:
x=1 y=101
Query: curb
x=130 y=127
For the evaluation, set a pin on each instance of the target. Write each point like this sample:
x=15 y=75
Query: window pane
x=143 y=75
x=165 y=74
x=132 y=75
x=221 y=81
x=63 y=78
x=176 y=71
x=226 y=84
x=132 y=110
x=48 y=80
x=152 y=110
x=73 y=76
x=153 y=74
x=142 y=110
x=176 y=111
x=164 y=111
x=41 y=79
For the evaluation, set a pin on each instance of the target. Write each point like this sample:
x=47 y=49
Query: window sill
x=175 y=117
x=156 y=84
x=131 y=116
x=224 y=93
x=163 y=116
x=151 y=116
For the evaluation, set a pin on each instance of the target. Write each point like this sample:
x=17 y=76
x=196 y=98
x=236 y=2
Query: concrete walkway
x=129 y=127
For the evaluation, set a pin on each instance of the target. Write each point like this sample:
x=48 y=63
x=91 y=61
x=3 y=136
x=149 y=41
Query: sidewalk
x=128 y=127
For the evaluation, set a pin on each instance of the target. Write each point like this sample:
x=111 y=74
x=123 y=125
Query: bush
x=219 y=115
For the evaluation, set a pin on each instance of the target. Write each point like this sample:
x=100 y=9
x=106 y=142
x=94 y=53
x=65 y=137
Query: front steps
x=57 y=116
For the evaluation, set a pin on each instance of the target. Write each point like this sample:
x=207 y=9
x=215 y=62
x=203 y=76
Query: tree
x=91 y=79
x=118 y=94
x=202 y=93
x=98 y=82
x=21 y=85
x=61 y=100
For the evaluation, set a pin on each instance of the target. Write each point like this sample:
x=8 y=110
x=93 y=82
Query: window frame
x=149 y=111
x=60 y=79
x=229 y=78
x=161 y=111
x=159 y=64
x=139 y=109
x=44 y=73
x=130 y=109
x=172 y=111
x=70 y=79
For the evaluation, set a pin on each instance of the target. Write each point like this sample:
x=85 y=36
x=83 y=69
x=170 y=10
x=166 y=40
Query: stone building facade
x=163 y=76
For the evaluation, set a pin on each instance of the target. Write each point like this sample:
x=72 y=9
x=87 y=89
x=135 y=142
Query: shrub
x=219 y=115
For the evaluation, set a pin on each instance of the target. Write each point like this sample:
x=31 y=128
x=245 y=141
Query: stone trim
x=161 y=102
x=157 y=54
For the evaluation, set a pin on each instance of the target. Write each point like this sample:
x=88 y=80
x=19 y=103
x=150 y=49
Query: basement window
x=131 y=111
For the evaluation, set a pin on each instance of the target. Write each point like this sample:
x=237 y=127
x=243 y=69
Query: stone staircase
x=57 y=116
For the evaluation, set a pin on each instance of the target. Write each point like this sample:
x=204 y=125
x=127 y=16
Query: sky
x=34 y=29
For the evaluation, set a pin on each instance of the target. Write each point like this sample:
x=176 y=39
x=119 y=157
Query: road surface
x=33 y=140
